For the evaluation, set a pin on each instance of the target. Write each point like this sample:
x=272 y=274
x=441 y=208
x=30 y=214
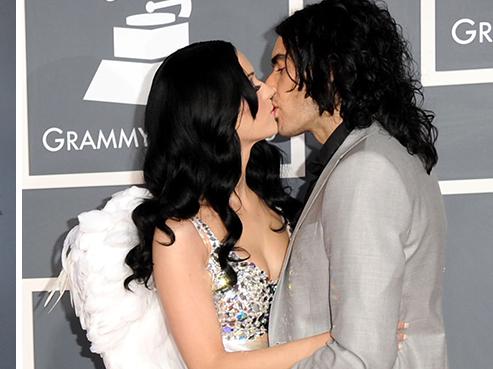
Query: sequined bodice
x=242 y=310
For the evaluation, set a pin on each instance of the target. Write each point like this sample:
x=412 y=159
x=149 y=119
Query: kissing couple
x=223 y=268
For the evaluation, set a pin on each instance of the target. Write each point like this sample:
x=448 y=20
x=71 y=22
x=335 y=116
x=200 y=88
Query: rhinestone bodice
x=242 y=310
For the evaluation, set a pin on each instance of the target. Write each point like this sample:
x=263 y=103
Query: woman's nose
x=271 y=90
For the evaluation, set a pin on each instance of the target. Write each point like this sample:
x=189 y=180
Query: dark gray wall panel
x=468 y=296
x=42 y=248
x=61 y=329
x=464 y=117
x=7 y=183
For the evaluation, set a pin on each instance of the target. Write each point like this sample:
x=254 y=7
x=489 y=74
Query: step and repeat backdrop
x=7 y=183
x=86 y=68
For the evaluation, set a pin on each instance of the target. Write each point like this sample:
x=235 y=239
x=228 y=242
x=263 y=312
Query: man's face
x=294 y=112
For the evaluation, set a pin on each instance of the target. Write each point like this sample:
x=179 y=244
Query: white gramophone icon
x=138 y=49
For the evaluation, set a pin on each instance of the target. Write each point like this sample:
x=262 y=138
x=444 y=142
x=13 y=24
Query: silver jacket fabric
x=367 y=251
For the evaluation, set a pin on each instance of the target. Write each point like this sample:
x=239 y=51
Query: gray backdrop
x=66 y=42
x=7 y=183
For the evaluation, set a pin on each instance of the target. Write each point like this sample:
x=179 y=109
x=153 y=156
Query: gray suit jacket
x=367 y=252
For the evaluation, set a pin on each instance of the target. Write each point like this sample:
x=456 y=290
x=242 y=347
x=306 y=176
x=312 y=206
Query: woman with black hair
x=214 y=233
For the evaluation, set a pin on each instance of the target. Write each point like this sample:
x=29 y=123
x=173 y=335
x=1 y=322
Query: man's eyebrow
x=278 y=57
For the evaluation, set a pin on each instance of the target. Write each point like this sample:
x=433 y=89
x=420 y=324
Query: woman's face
x=252 y=130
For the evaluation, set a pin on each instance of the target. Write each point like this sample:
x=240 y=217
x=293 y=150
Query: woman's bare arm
x=184 y=286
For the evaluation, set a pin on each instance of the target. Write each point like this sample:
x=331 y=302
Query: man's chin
x=286 y=132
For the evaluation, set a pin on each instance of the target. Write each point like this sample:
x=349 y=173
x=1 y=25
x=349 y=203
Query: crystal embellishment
x=242 y=310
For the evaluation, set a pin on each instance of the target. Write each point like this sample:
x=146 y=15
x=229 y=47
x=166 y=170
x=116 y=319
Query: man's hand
x=401 y=335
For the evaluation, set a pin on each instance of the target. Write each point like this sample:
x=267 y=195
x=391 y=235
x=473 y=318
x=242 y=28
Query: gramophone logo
x=138 y=48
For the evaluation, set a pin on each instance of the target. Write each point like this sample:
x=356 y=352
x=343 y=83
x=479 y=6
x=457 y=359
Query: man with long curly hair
x=367 y=250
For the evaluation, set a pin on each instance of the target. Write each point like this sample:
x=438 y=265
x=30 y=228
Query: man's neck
x=323 y=128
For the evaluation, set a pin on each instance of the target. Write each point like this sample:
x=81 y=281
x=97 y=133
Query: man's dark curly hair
x=353 y=52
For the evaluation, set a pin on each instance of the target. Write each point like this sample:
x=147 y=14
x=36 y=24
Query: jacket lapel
x=354 y=138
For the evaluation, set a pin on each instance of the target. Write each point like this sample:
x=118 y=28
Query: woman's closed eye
x=256 y=84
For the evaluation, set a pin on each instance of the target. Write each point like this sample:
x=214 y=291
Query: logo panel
x=464 y=35
x=456 y=42
x=89 y=68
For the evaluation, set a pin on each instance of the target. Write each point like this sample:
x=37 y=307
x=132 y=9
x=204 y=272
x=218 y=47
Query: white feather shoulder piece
x=127 y=329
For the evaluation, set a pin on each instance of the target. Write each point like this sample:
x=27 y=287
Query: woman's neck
x=243 y=194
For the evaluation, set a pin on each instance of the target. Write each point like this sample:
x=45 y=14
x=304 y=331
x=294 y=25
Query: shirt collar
x=329 y=148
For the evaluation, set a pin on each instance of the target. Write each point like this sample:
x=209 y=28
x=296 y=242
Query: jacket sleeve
x=365 y=219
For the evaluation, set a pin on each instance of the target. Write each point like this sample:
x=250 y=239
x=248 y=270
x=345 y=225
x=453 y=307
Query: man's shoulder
x=380 y=145
x=381 y=157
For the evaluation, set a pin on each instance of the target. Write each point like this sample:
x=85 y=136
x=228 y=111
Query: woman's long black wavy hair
x=352 y=52
x=193 y=154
